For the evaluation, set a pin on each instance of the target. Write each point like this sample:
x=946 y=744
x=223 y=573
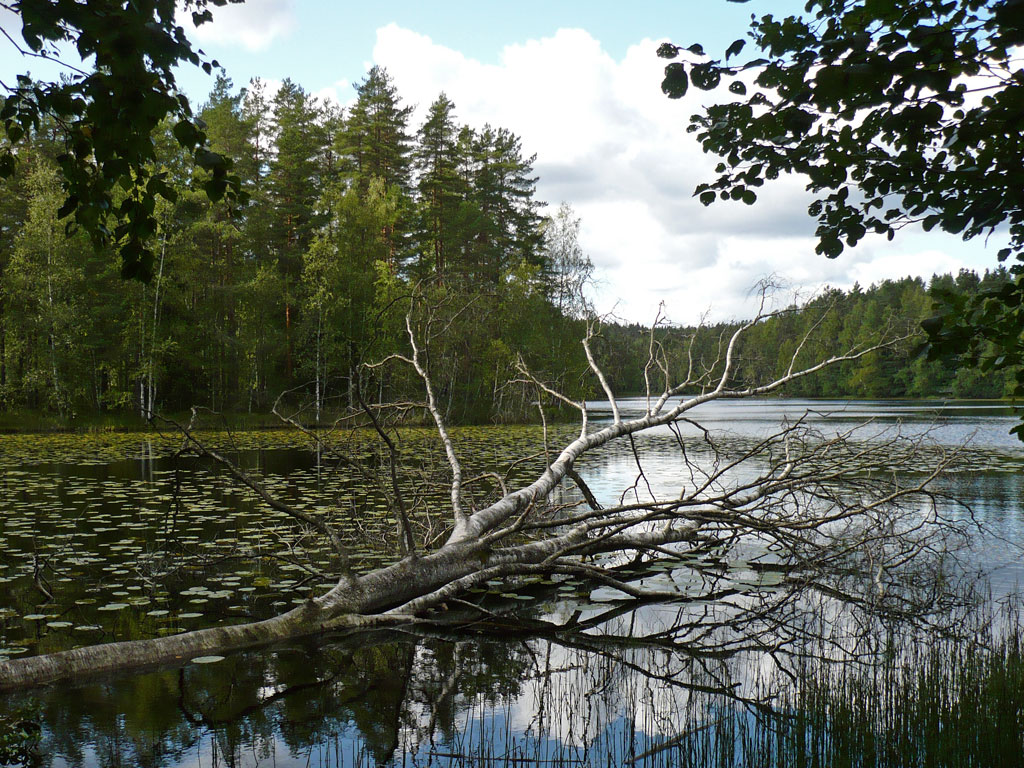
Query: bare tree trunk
x=51 y=340
x=319 y=339
x=150 y=376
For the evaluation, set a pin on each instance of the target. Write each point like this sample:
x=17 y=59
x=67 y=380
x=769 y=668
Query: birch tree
x=42 y=278
x=822 y=508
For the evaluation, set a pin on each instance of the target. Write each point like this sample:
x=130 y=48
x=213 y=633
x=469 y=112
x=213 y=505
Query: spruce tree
x=294 y=181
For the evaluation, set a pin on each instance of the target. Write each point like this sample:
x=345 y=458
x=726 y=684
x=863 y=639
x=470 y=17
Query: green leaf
x=668 y=51
x=211 y=160
x=735 y=48
x=706 y=76
x=215 y=189
x=69 y=206
x=831 y=247
x=187 y=134
x=676 y=81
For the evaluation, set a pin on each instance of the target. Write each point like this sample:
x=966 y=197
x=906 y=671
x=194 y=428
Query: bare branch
x=591 y=500
x=581 y=406
x=599 y=373
x=461 y=517
x=250 y=482
x=655 y=356
x=396 y=489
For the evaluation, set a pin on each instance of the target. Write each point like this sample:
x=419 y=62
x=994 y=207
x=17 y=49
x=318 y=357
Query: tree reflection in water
x=785 y=675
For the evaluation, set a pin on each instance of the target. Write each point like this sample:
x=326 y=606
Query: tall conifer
x=375 y=145
x=442 y=191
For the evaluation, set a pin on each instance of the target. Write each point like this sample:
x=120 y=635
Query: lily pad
x=207 y=659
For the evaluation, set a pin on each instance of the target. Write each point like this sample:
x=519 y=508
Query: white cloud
x=610 y=143
x=252 y=25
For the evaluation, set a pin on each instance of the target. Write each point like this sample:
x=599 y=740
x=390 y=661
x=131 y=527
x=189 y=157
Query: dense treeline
x=348 y=214
x=833 y=323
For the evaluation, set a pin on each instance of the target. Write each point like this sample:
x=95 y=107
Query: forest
x=569 y=584
x=295 y=284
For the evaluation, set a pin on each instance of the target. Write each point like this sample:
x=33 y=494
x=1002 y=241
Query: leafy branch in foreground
x=825 y=509
x=108 y=117
x=898 y=113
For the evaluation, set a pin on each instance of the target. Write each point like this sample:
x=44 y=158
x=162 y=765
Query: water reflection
x=772 y=671
x=737 y=683
x=986 y=425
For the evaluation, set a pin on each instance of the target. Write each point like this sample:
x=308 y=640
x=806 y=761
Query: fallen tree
x=827 y=507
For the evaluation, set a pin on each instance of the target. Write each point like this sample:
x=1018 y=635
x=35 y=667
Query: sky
x=579 y=82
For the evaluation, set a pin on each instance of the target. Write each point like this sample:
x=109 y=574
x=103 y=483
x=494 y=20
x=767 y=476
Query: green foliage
x=314 y=275
x=296 y=175
x=375 y=141
x=107 y=118
x=506 y=228
x=444 y=207
x=896 y=112
x=348 y=215
x=831 y=324
x=43 y=281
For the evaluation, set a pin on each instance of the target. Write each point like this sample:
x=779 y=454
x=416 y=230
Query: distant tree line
x=833 y=322
x=348 y=214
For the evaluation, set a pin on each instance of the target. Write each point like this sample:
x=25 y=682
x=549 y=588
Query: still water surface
x=590 y=681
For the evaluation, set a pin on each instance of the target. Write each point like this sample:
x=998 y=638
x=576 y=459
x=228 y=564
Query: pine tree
x=442 y=191
x=376 y=141
x=293 y=184
x=375 y=144
x=295 y=178
x=503 y=187
x=256 y=113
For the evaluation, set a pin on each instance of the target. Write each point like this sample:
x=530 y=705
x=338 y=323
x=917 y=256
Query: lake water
x=112 y=537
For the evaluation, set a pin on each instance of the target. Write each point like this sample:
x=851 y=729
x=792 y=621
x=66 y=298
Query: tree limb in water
x=820 y=504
